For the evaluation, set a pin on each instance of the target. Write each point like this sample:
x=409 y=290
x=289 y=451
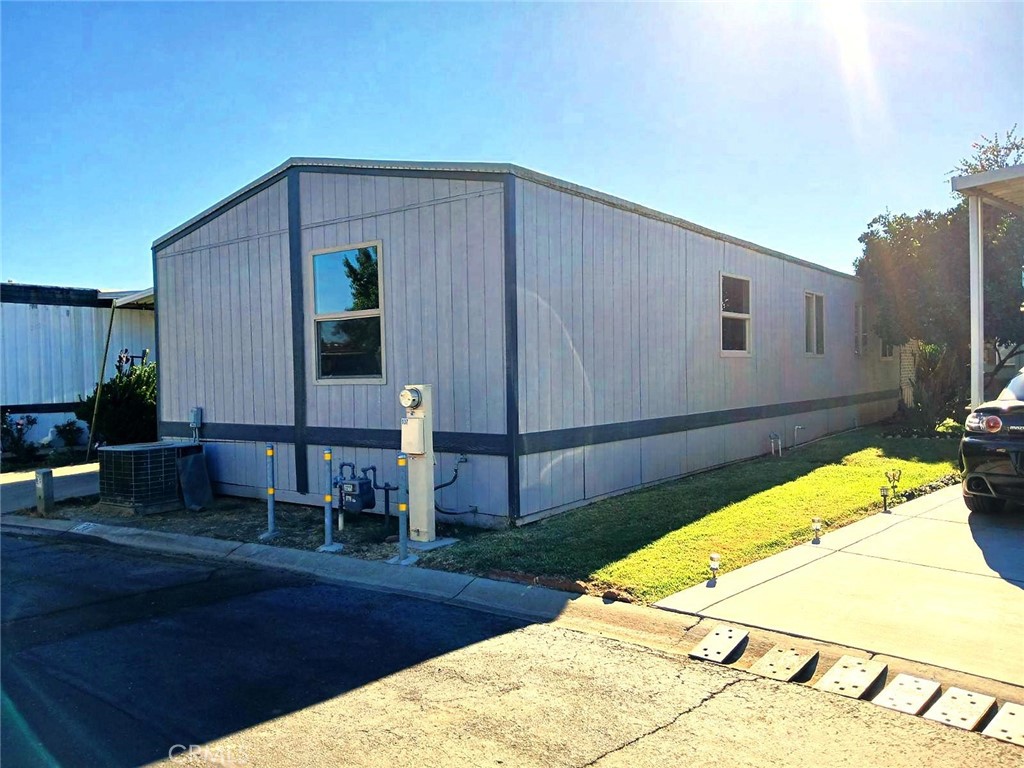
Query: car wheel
x=984 y=505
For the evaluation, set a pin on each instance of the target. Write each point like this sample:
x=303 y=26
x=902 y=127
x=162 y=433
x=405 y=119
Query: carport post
x=977 y=243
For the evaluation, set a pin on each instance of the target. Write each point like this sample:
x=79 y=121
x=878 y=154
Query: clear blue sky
x=789 y=125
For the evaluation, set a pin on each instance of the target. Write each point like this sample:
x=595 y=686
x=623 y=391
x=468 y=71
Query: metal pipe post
x=329 y=545
x=403 y=558
x=271 y=531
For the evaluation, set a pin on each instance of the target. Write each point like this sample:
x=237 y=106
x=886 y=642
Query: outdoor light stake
x=714 y=564
x=885 y=497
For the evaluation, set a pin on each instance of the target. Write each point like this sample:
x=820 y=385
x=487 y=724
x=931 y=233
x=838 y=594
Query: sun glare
x=847 y=23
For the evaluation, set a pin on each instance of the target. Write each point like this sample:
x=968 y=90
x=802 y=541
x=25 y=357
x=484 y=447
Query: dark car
x=992 y=451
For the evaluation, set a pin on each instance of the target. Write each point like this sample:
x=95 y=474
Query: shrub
x=127 y=411
x=939 y=386
x=70 y=432
x=12 y=436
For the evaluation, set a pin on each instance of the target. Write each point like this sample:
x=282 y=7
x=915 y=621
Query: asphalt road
x=112 y=657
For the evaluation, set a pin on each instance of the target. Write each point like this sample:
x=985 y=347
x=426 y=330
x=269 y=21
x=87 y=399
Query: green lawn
x=656 y=541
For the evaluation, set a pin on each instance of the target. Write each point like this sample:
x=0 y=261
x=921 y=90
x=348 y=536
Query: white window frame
x=746 y=316
x=813 y=352
x=892 y=350
x=860 y=331
x=381 y=380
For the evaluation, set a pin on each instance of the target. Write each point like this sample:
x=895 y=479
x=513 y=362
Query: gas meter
x=357 y=494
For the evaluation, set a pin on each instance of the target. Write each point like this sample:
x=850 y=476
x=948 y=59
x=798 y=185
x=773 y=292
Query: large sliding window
x=735 y=316
x=814 y=324
x=348 y=314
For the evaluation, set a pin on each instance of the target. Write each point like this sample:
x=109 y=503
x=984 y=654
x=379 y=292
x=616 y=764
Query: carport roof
x=1002 y=187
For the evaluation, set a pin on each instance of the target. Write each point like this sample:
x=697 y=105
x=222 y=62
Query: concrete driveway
x=928 y=582
x=18 y=489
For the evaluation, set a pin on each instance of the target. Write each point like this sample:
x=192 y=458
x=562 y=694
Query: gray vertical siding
x=442 y=276
x=225 y=316
x=619 y=321
x=441 y=261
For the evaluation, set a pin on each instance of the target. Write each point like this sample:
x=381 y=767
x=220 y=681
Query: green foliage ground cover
x=655 y=541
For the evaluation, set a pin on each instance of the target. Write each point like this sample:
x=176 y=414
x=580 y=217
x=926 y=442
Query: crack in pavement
x=712 y=695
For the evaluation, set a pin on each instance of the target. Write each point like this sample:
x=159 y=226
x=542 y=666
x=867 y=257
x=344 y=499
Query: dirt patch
x=301 y=527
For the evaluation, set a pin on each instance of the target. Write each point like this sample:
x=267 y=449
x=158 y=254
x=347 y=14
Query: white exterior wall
x=619 y=321
x=52 y=353
x=441 y=263
x=226 y=326
x=225 y=322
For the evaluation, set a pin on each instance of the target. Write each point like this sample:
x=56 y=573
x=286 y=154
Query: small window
x=888 y=350
x=860 y=331
x=735 y=315
x=814 y=324
x=347 y=317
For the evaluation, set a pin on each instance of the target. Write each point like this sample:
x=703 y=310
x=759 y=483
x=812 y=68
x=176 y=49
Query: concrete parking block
x=719 y=644
x=960 y=708
x=1008 y=724
x=783 y=663
x=906 y=693
x=852 y=677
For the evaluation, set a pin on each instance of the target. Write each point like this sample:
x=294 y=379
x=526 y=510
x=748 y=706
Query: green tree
x=916 y=269
x=363 y=277
x=127 y=412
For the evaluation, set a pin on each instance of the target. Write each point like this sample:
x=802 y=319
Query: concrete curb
x=522 y=601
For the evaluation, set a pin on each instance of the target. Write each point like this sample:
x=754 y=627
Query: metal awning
x=142 y=299
x=1002 y=188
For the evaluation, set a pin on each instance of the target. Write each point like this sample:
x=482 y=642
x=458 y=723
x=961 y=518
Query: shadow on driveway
x=1001 y=540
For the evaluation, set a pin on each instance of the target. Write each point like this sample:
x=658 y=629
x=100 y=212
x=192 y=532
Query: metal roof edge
x=497 y=169
x=975 y=180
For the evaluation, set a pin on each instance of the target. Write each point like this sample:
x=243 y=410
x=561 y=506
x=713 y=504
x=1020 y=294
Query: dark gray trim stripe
x=563 y=439
x=298 y=331
x=39 y=408
x=475 y=443
x=511 y=346
x=47 y=295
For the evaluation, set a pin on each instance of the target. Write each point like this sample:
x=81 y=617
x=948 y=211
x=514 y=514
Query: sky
x=791 y=125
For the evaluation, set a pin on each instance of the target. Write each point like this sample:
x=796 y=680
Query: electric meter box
x=412 y=435
x=357 y=494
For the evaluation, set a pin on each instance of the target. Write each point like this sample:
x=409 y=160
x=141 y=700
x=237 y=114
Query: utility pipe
x=99 y=381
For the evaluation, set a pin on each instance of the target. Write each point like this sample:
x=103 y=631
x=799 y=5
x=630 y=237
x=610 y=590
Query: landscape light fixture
x=885 y=497
x=893 y=476
x=816 y=526
x=714 y=563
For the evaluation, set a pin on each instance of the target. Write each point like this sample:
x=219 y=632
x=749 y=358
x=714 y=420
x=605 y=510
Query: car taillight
x=979 y=422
